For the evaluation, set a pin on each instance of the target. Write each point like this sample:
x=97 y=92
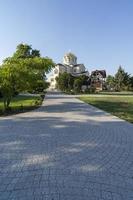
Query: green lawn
x=118 y=105
x=123 y=93
x=21 y=103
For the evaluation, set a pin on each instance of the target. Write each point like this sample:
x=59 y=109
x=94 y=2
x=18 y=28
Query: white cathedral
x=70 y=66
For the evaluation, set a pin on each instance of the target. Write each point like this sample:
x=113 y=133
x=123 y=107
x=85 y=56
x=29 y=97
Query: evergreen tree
x=122 y=80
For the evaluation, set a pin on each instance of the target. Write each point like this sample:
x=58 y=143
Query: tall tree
x=122 y=80
x=23 y=72
x=23 y=51
x=131 y=82
x=110 y=82
x=78 y=82
x=65 y=82
x=13 y=78
x=35 y=53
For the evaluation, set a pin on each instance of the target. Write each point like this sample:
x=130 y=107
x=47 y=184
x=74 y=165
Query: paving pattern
x=65 y=150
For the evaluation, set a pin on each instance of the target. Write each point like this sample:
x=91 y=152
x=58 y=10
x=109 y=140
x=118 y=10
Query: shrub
x=90 y=90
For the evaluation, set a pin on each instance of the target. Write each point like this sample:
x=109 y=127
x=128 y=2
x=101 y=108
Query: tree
x=23 y=72
x=65 y=82
x=122 y=80
x=131 y=82
x=110 y=82
x=78 y=82
x=35 y=53
x=23 y=51
x=13 y=78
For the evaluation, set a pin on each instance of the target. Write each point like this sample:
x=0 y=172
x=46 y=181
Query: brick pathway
x=66 y=150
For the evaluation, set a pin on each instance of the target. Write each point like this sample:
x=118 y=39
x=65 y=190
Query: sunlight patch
x=59 y=126
x=43 y=160
x=90 y=168
x=11 y=143
x=37 y=159
x=72 y=150
x=85 y=144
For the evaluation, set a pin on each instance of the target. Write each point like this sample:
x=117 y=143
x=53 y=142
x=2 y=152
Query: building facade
x=69 y=65
x=97 y=79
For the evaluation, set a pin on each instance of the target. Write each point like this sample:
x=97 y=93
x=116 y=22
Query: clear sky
x=98 y=32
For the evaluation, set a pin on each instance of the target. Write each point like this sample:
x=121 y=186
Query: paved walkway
x=66 y=150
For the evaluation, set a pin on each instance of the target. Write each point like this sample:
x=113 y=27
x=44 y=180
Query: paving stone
x=65 y=150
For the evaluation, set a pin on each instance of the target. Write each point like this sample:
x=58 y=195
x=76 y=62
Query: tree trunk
x=7 y=103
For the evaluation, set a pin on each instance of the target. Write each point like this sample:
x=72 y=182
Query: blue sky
x=99 y=32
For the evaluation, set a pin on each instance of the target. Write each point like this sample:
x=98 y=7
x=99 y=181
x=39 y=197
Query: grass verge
x=119 y=106
x=21 y=103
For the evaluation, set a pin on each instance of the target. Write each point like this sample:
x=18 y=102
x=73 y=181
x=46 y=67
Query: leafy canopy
x=24 y=71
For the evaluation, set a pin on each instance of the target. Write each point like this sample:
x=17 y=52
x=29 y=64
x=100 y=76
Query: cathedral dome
x=69 y=59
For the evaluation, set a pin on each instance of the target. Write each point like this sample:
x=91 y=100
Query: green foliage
x=131 y=82
x=122 y=80
x=35 y=53
x=90 y=90
x=110 y=82
x=65 y=82
x=78 y=84
x=39 y=86
x=24 y=71
x=13 y=78
x=25 y=51
x=22 y=51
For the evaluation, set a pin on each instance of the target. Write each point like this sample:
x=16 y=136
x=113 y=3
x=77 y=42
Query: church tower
x=70 y=59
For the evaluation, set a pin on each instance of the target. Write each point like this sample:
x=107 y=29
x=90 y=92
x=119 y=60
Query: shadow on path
x=65 y=150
